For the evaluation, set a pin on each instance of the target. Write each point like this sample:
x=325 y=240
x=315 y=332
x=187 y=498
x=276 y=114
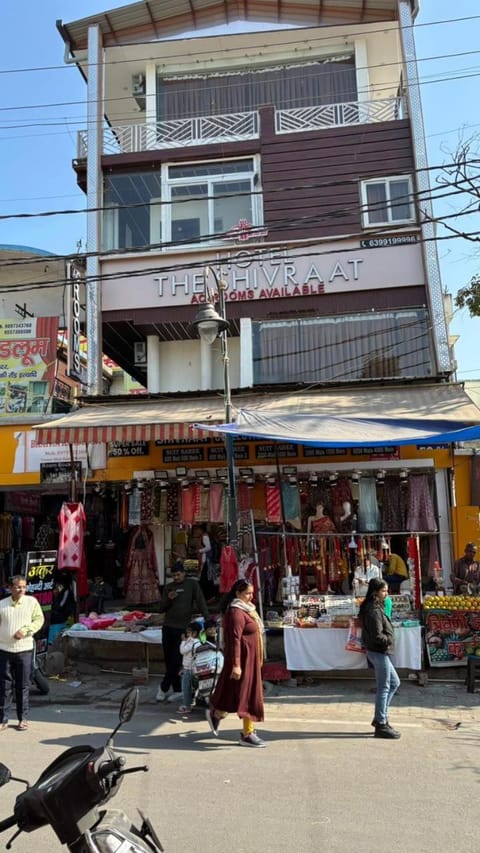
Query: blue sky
x=38 y=142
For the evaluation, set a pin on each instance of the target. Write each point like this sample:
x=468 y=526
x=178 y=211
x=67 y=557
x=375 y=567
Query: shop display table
x=149 y=635
x=319 y=649
x=143 y=639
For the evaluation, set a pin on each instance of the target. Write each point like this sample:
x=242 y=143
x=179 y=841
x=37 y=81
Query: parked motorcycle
x=68 y=793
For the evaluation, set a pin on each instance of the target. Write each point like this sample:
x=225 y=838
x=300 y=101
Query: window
x=387 y=201
x=326 y=80
x=350 y=347
x=190 y=203
x=208 y=199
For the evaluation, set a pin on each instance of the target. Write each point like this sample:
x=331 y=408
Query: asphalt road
x=323 y=782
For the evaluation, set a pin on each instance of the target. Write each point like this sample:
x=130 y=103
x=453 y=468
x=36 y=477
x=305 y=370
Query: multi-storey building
x=290 y=159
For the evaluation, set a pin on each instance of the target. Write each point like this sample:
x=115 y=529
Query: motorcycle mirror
x=5 y=775
x=127 y=709
x=129 y=705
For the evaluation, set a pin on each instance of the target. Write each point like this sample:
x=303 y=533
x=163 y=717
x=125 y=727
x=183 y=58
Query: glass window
x=192 y=202
x=208 y=199
x=387 y=201
x=329 y=80
x=378 y=345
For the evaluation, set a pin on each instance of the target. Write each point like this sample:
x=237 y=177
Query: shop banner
x=29 y=455
x=28 y=351
x=39 y=574
x=452 y=635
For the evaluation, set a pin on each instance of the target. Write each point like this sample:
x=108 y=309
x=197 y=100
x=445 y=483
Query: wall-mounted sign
x=381 y=242
x=27 y=364
x=128 y=448
x=29 y=455
x=270 y=451
x=60 y=472
x=217 y=453
x=75 y=276
x=182 y=454
x=377 y=452
x=22 y=502
x=39 y=574
x=323 y=451
x=273 y=272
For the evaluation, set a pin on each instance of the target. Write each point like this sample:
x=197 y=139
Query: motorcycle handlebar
x=109 y=767
x=8 y=823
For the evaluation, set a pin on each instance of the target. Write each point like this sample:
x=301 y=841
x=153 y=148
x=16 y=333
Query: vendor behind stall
x=394 y=572
x=466 y=571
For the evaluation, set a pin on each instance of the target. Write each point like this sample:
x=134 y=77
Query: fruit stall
x=452 y=628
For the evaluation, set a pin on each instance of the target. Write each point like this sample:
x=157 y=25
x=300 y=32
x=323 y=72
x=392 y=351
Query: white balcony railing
x=198 y=130
x=235 y=127
x=338 y=115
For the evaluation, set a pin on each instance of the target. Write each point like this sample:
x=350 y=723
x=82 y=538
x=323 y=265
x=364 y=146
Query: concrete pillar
x=153 y=364
x=94 y=207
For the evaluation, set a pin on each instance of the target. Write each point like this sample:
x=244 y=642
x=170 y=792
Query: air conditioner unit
x=139 y=89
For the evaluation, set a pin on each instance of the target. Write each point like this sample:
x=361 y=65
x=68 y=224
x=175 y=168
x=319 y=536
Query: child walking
x=187 y=645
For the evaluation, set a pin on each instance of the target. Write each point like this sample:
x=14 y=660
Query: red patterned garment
x=71 y=555
x=228 y=568
x=273 y=503
x=72 y=521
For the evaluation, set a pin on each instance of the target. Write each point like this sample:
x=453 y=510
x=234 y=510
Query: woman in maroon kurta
x=239 y=687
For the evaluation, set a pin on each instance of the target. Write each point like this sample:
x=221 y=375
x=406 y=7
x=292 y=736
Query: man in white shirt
x=20 y=618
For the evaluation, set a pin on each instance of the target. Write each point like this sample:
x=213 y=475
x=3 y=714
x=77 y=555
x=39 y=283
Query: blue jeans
x=187 y=687
x=388 y=683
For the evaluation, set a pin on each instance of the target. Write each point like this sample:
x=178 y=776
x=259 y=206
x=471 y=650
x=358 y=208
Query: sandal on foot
x=22 y=726
x=3 y=727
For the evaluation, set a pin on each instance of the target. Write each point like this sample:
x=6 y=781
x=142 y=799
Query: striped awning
x=147 y=421
x=168 y=419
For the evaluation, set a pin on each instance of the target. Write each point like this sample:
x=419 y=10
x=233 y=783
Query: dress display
x=141 y=583
x=369 y=520
x=421 y=514
x=71 y=553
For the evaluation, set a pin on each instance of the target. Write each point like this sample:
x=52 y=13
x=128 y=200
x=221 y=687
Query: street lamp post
x=211 y=324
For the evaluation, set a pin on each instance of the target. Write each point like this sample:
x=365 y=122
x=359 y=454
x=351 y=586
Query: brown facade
x=311 y=180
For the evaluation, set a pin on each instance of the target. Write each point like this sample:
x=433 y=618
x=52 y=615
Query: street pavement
x=322 y=783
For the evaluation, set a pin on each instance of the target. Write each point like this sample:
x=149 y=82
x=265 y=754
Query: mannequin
x=320 y=523
x=344 y=521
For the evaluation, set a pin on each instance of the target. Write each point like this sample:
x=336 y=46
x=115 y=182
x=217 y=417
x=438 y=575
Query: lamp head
x=208 y=323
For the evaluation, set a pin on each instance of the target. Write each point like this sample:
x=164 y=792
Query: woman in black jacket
x=378 y=639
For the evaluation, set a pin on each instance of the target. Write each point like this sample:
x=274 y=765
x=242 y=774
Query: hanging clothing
x=392 y=518
x=369 y=520
x=215 y=503
x=71 y=552
x=172 y=502
x=141 y=584
x=420 y=514
x=228 y=568
x=134 y=505
x=146 y=503
x=72 y=521
x=273 y=503
x=291 y=504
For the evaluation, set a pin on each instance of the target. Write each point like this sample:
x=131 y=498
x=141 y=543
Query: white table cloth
x=319 y=649
x=150 y=635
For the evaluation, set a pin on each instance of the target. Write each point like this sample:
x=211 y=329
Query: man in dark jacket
x=182 y=598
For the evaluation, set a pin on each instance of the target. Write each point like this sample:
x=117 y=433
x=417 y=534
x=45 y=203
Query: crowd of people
x=188 y=627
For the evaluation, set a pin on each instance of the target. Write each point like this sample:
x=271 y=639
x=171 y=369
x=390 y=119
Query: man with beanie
x=181 y=599
x=20 y=618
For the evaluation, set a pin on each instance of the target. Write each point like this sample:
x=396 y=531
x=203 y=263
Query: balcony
x=238 y=127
